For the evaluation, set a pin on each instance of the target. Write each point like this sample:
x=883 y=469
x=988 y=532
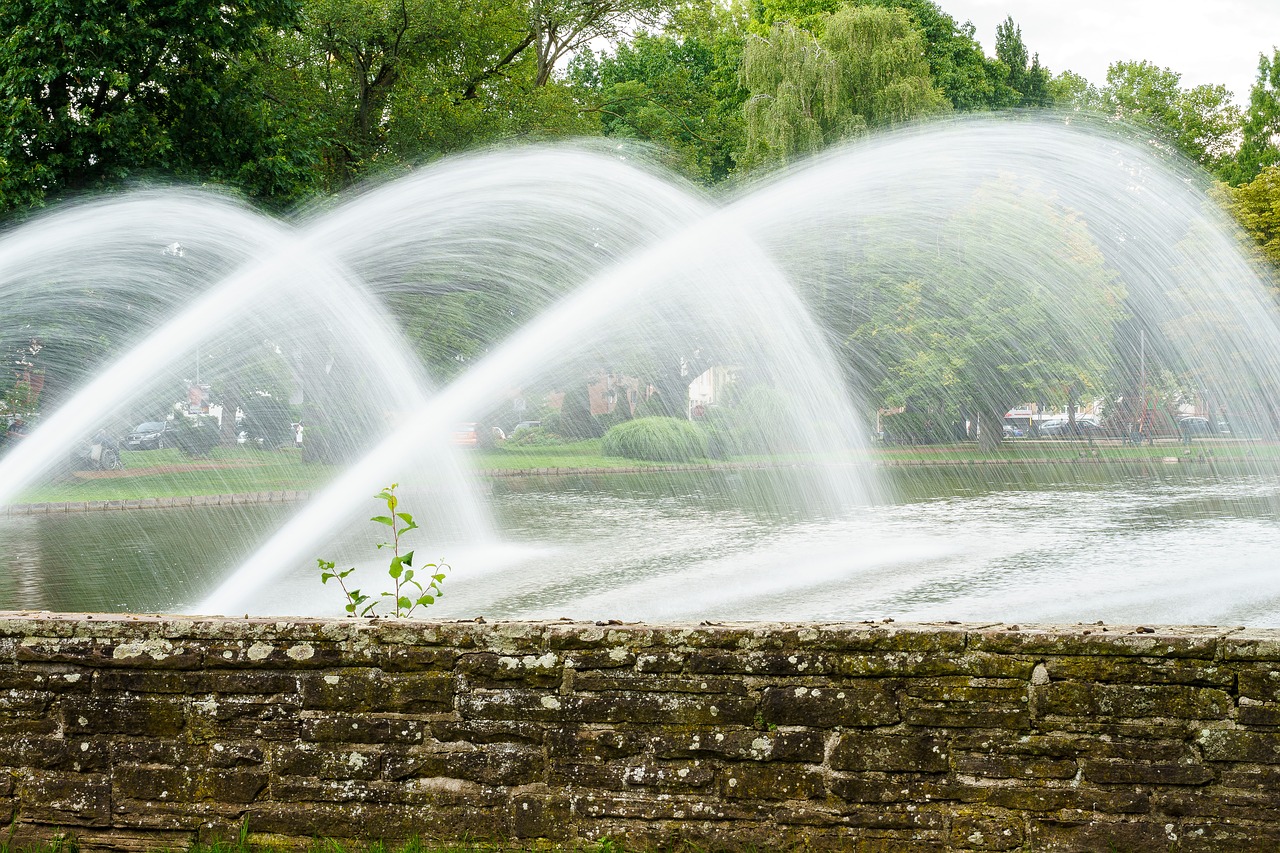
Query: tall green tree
x=387 y=83
x=1026 y=79
x=970 y=80
x=867 y=69
x=1201 y=122
x=946 y=328
x=94 y=94
x=1256 y=206
x=1260 y=134
x=679 y=91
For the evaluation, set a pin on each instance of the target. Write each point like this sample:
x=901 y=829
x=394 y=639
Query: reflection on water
x=1175 y=550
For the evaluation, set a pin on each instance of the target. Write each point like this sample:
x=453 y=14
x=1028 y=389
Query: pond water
x=1164 y=549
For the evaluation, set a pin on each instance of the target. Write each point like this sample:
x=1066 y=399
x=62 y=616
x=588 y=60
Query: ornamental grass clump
x=656 y=439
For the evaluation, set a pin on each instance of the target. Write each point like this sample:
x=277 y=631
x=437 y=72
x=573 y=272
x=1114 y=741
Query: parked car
x=1064 y=429
x=1011 y=431
x=1194 y=426
x=466 y=435
x=526 y=425
x=151 y=435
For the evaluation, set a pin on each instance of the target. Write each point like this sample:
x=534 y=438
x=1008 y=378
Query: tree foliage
x=969 y=331
x=1260 y=133
x=679 y=90
x=1256 y=206
x=867 y=69
x=93 y=94
x=1200 y=122
x=1026 y=80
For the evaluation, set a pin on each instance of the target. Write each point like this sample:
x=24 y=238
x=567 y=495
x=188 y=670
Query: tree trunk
x=990 y=430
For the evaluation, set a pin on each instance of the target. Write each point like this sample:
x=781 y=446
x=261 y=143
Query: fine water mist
x=1059 y=263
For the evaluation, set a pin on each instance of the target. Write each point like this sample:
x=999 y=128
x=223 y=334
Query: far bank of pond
x=165 y=478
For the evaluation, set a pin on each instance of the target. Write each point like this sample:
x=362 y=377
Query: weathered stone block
x=1261 y=714
x=636 y=774
x=327 y=762
x=1262 y=684
x=534 y=816
x=147 y=681
x=1117 y=641
x=1118 y=801
x=856 y=704
x=1079 y=699
x=149 y=716
x=660 y=661
x=964 y=689
x=54 y=753
x=179 y=784
x=1190 y=671
x=1146 y=773
x=742 y=745
x=400 y=658
x=39 y=678
x=921 y=753
x=1137 y=836
x=1013 y=766
x=477 y=821
x=773 y=781
x=1233 y=745
x=871 y=787
x=217 y=718
x=250 y=682
x=771 y=663
x=958 y=715
x=987 y=832
x=489 y=731
x=494 y=764
x=487 y=669
x=372 y=690
x=1217 y=837
x=607 y=707
x=583 y=744
x=615 y=681
x=58 y=797
x=358 y=729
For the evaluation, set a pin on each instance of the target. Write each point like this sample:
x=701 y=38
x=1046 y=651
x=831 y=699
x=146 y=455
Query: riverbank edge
x=1197 y=464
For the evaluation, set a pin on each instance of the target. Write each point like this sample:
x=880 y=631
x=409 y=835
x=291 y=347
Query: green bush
x=269 y=422
x=196 y=437
x=534 y=437
x=656 y=440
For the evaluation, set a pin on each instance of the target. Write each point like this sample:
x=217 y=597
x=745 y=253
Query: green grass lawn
x=166 y=473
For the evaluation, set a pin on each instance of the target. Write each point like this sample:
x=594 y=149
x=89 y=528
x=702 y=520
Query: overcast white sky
x=1206 y=41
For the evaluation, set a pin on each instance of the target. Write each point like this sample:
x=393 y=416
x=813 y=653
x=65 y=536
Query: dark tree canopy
x=92 y=94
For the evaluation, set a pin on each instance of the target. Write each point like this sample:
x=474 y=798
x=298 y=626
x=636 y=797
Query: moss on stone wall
x=158 y=731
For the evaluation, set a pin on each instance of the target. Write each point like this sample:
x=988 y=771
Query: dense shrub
x=657 y=440
x=196 y=437
x=268 y=422
x=534 y=437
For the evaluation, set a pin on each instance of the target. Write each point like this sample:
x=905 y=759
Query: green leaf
x=407 y=559
x=384 y=519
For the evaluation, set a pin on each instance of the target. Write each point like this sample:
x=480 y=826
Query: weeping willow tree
x=865 y=68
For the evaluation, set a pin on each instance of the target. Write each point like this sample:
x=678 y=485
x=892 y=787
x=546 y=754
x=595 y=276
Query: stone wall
x=153 y=731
